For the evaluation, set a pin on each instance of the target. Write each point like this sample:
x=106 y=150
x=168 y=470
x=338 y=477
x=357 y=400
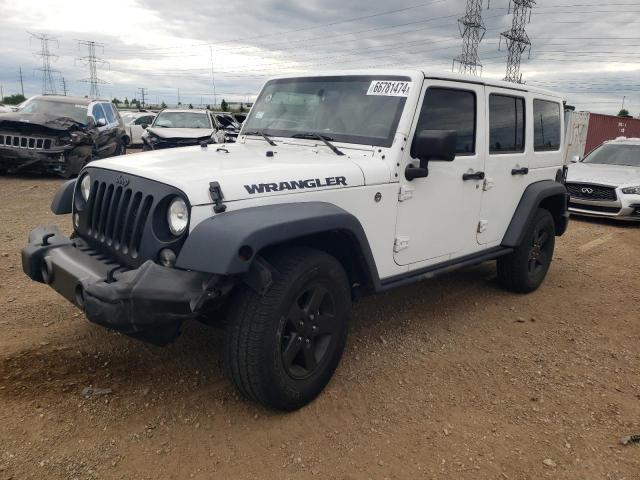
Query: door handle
x=520 y=171
x=473 y=176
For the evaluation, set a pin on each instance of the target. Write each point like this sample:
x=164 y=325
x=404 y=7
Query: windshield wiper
x=263 y=135
x=317 y=136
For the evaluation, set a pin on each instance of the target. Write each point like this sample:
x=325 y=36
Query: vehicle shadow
x=83 y=354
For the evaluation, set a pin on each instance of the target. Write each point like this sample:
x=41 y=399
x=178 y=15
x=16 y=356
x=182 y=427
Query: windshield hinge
x=405 y=193
x=400 y=243
x=217 y=197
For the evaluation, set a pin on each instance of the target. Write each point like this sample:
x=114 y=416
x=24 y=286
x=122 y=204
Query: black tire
x=525 y=269
x=282 y=348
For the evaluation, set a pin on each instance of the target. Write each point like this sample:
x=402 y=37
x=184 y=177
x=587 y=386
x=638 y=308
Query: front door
x=438 y=215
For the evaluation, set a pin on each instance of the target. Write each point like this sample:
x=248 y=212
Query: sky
x=185 y=50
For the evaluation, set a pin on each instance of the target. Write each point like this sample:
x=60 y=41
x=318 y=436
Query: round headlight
x=85 y=187
x=178 y=216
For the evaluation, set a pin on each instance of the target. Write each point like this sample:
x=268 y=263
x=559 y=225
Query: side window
x=98 y=113
x=506 y=124
x=546 y=122
x=146 y=120
x=108 y=110
x=449 y=109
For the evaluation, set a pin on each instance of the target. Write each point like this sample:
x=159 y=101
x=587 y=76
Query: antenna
x=93 y=62
x=472 y=31
x=517 y=38
x=48 y=85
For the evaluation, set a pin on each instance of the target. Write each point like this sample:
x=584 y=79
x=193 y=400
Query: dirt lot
x=451 y=378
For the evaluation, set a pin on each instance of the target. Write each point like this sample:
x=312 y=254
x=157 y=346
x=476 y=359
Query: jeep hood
x=614 y=175
x=180 y=133
x=38 y=123
x=243 y=171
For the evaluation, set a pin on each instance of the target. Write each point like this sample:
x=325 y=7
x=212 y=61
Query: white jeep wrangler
x=340 y=185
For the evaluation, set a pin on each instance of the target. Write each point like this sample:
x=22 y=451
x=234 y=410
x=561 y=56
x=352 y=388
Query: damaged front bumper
x=149 y=303
x=58 y=161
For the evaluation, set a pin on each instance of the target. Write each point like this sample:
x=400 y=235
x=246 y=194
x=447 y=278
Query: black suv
x=60 y=135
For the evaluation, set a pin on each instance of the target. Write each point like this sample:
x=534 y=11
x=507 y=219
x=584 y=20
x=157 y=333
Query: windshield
x=610 y=154
x=227 y=121
x=55 y=108
x=182 y=120
x=127 y=118
x=350 y=109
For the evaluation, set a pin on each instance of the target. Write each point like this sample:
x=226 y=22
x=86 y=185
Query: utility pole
x=143 y=94
x=48 y=85
x=624 y=97
x=93 y=63
x=213 y=80
x=21 y=83
x=64 y=86
x=1 y=93
x=472 y=31
x=517 y=38
x=178 y=97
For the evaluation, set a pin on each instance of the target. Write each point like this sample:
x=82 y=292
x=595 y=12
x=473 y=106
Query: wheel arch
x=221 y=243
x=547 y=194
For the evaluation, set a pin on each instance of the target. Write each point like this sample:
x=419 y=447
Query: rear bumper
x=149 y=303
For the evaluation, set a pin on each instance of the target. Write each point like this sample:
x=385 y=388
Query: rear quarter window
x=546 y=126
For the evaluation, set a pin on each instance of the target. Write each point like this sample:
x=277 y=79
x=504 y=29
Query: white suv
x=606 y=183
x=341 y=185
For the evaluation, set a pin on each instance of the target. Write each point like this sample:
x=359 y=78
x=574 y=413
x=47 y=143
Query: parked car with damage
x=341 y=185
x=136 y=123
x=60 y=134
x=606 y=183
x=180 y=128
x=226 y=122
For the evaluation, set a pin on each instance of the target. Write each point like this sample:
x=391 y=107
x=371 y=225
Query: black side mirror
x=144 y=126
x=431 y=145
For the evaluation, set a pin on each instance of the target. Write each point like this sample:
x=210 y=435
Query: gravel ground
x=451 y=378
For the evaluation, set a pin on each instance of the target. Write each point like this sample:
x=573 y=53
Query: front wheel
x=283 y=347
x=524 y=270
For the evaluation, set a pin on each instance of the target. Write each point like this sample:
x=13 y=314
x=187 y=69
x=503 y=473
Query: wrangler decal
x=296 y=185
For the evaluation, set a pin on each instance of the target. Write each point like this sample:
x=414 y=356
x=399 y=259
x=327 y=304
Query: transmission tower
x=472 y=31
x=93 y=63
x=517 y=38
x=48 y=85
x=143 y=93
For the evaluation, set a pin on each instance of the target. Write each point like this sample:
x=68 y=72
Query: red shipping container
x=609 y=127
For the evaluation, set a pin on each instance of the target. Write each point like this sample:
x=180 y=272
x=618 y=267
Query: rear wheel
x=525 y=269
x=282 y=347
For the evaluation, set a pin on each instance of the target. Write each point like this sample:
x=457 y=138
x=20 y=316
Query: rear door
x=507 y=165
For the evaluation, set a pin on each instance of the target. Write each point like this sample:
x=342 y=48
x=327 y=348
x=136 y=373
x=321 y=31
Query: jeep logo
x=122 y=181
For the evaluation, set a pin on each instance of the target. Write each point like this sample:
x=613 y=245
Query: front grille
x=117 y=216
x=589 y=191
x=21 y=141
x=594 y=208
x=125 y=218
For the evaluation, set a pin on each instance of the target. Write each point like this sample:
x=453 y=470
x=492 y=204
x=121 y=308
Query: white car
x=606 y=183
x=5 y=109
x=340 y=185
x=135 y=123
x=180 y=128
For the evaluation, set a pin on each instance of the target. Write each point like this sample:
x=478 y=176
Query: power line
x=93 y=63
x=472 y=30
x=48 y=85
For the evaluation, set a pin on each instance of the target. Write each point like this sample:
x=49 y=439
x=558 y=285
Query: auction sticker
x=389 y=88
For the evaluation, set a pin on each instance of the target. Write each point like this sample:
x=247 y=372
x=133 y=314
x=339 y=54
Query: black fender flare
x=62 y=202
x=214 y=244
x=548 y=193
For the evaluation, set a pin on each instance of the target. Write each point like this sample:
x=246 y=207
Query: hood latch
x=217 y=197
